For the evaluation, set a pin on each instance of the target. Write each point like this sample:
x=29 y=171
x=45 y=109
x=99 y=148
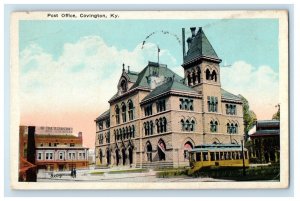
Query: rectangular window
x=72 y=144
x=61 y=156
x=39 y=156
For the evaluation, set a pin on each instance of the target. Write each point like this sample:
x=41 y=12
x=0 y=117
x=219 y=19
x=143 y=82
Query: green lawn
x=128 y=171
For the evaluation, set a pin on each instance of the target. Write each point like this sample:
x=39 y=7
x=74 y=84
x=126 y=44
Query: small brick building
x=56 y=149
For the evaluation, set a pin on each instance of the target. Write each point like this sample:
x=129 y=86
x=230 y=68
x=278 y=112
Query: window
x=49 y=156
x=186 y=104
x=123 y=112
x=148 y=110
x=72 y=144
x=61 y=155
x=124 y=86
x=213 y=126
x=107 y=123
x=232 y=128
x=231 y=109
x=107 y=137
x=187 y=125
x=130 y=110
x=161 y=125
x=39 y=156
x=161 y=105
x=212 y=104
x=117 y=110
x=100 y=138
x=72 y=156
x=100 y=125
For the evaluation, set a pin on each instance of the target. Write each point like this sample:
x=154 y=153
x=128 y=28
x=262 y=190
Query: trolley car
x=222 y=155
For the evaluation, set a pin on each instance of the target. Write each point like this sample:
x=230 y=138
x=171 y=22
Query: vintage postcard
x=149 y=100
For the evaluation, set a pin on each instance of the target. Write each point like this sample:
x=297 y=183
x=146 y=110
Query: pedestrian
x=74 y=173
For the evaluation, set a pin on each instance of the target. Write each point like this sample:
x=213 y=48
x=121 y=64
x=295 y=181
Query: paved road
x=84 y=176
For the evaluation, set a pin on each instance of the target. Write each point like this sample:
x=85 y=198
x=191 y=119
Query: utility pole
x=244 y=173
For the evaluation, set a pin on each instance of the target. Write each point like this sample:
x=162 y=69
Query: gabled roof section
x=103 y=115
x=200 y=47
x=132 y=76
x=162 y=70
x=170 y=85
x=229 y=96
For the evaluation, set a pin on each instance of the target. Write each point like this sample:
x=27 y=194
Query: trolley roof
x=217 y=147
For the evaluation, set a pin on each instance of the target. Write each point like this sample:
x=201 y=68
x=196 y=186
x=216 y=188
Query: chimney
x=193 y=30
x=183 y=43
x=128 y=69
x=123 y=67
x=80 y=135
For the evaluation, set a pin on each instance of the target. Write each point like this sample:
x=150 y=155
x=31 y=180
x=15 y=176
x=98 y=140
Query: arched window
x=198 y=75
x=121 y=134
x=182 y=125
x=127 y=133
x=194 y=77
x=151 y=127
x=213 y=126
x=214 y=75
x=191 y=105
x=164 y=124
x=161 y=125
x=187 y=125
x=123 y=112
x=130 y=132
x=133 y=131
x=123 y=85
x=157 y=126
x=148 y=127
x=207 y=73
x=192 y=126
x=228 y=128
x=117 y=110
x=130 y=110
x=189 y=79
x=236 y=128
x=145 y=128
x=124 y=134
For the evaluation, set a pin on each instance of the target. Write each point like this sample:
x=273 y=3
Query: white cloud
x=85 y=75
x=258 y=85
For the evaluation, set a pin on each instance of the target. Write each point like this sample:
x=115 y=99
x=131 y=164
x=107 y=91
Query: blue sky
x=70 y=69
x=250 y=40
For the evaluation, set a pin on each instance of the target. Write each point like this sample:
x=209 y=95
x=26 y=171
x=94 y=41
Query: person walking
x=74 y=173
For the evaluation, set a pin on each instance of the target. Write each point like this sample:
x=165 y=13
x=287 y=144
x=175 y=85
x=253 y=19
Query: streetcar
x=217 y=155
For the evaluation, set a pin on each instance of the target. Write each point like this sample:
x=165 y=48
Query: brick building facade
x=156 y=116
x=56 y=150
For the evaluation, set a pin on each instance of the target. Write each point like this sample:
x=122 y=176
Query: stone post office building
x=156 y=116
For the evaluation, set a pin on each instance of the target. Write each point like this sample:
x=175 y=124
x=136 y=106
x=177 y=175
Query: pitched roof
x=171 y=84
x=200 y=47
x=162 y=70
x=132 y=76
x=103 y=115
x=229 y=96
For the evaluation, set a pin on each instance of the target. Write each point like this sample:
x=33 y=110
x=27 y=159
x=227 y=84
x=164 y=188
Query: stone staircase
x=156 y=164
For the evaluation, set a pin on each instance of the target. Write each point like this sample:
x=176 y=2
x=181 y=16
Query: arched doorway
x=100 y=156
x=187 y=147
x=161 y=149
x=130 y=152
x=124 y=156
x=108 y=156
x=149 y=151
x=117 y=157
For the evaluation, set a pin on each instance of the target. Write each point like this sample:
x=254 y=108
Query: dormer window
x=124 y=86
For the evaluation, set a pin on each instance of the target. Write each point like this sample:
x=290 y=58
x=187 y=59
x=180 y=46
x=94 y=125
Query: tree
x=276 y=116
x=249 y=116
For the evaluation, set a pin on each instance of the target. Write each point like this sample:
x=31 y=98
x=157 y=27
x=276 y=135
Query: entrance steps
x=156 y=164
